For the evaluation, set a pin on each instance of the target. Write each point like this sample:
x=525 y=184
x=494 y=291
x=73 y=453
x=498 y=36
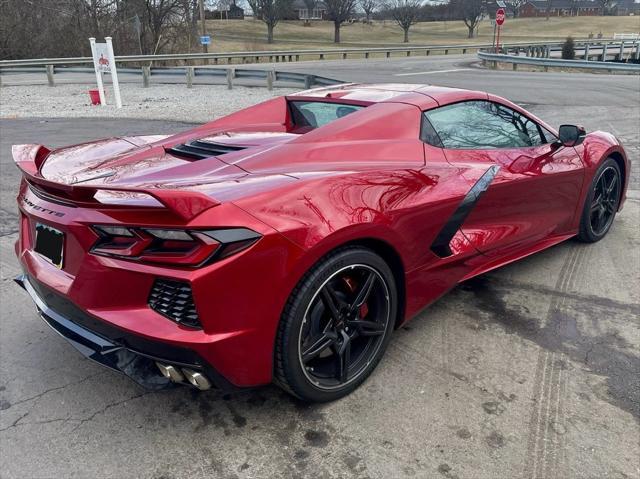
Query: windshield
x=313 y=114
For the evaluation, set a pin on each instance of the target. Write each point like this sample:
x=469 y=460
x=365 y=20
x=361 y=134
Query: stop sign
x=500 y=16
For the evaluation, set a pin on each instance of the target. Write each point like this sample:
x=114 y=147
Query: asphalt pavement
x=530 y=371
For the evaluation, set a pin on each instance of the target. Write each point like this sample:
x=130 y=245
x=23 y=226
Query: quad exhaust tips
x=176 y=375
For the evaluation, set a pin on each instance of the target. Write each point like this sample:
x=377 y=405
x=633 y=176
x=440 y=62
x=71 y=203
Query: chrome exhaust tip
x=197 y=379
x=170 y=372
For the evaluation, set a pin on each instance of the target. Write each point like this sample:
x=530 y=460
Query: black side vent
x=174 y=300
x=199 y=150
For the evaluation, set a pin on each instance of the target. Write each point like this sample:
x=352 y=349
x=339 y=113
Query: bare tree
x=549 y=8
x=253 y=5
x=59 y=28
x=515 y=6
x=339 y=11
x=471 y=12
x=606 y=6
x=368 y=7
x=271 y=12
x=405 y=13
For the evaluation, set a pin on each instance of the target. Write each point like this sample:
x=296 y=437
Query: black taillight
x=171 y=246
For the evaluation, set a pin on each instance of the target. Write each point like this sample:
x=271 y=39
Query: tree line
x=60 y=28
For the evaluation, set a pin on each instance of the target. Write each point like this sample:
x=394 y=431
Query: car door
x=532 y=182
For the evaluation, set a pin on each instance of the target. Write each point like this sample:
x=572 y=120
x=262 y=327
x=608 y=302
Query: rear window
x=313 y=114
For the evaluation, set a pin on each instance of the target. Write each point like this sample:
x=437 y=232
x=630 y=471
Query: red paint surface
x=364 y=178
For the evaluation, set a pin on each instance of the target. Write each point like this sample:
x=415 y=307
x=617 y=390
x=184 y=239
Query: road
x=530 y=371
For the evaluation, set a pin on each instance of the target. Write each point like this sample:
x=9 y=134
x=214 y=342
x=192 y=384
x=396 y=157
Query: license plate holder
x=50 y=244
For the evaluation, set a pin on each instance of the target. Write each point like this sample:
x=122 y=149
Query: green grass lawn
x=247 y=35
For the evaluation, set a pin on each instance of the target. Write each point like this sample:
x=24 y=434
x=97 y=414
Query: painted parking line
x=433 y=71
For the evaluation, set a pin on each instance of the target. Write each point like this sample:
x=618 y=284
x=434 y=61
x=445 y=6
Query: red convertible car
x=285 y=242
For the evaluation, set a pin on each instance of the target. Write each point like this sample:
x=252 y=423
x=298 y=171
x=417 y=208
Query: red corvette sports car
x=286 y=241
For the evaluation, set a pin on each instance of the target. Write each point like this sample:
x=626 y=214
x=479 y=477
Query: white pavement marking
x=434 y=71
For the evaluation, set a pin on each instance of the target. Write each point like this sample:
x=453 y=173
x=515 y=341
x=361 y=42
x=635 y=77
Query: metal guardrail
x=547 y=63
x=273 y=55
x=190 y=73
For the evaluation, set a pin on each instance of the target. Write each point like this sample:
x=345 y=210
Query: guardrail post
x=637 y=50
x=146 y=73
x=190 y=74
x=388 y=54
x=230 y=75
x=446 y=52
x=464 y=51
x=428 y=51
x=50 y=75
x=586 y=52
x=215 y=61
x=515 y=66
x=270 y=78
x=621 y=56
x=408 y=53
x=309 y=80
x=366 y=55
x=290 y=58
x=604 y=52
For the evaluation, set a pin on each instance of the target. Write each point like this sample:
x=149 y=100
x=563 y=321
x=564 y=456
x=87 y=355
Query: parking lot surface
x=530 y=371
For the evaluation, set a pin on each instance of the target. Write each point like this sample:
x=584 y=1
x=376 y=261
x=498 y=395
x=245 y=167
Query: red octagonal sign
x=500 y=16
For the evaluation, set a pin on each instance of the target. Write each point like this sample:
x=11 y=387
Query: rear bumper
x=112 y=347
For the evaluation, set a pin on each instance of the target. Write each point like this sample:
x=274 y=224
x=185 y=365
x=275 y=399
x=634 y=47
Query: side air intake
x=200 y=150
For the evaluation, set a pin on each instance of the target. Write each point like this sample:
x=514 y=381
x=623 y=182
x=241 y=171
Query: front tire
x=336 y=325
x=602 y=202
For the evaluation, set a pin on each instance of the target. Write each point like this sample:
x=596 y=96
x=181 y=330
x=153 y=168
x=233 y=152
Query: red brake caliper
x=351 y=286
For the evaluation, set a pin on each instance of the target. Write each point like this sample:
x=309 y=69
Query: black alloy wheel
x=336 y=325
x=602 y=202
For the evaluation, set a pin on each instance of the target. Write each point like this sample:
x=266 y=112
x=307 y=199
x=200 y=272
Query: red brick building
x=560 y=8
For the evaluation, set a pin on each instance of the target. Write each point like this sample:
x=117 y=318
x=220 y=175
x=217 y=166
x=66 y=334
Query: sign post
x=114 y=72
x=104 y=62
x=500 y=16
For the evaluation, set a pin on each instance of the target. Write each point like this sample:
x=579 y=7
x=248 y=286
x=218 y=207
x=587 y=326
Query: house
x=560 y=8
x=302 y=11
x=492 y=6
x=225 y=11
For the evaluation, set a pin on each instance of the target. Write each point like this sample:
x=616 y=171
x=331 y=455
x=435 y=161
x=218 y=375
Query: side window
x=481 y=125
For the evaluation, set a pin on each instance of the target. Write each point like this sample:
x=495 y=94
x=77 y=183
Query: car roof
x=423 y=96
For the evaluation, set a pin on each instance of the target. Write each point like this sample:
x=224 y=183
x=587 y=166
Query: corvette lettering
x=41 y=209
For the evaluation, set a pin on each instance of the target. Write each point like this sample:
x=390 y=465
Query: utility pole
x=203 y=28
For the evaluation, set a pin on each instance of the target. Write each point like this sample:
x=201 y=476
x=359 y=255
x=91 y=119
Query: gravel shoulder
x=170 y=102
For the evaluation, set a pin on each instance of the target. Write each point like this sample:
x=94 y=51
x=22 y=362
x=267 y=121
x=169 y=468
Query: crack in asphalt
x=57 y=388
x=80 y=421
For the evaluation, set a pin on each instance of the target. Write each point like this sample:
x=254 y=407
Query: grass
x=248 y=35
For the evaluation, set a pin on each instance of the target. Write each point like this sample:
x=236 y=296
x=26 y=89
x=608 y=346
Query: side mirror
x=571 y=135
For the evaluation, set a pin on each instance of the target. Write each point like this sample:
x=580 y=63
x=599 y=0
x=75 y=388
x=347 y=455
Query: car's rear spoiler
x=184 y=203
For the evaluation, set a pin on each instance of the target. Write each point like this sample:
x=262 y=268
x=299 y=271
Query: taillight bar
x=182 y=247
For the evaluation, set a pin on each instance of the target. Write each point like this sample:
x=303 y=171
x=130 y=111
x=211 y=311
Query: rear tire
x=336 y=325
x=602 y=202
